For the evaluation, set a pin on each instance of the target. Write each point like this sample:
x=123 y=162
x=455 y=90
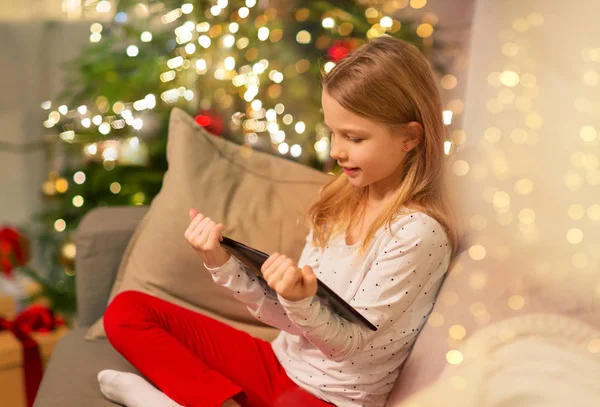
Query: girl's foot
x=132 y=390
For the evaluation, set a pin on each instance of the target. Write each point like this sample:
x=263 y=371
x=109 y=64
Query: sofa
x=260 y=198
x=70 y=376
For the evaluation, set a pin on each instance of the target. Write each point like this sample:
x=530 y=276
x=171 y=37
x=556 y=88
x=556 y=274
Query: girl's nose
x=336 y=152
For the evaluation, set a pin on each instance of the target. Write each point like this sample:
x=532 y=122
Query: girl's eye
x=351 y=139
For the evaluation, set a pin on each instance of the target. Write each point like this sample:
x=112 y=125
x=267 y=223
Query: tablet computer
x=254 y=259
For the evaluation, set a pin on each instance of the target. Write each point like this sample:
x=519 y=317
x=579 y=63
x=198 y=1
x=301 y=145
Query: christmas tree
x=246 y=70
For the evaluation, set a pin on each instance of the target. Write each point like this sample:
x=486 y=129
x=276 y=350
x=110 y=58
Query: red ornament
x=12 y=250
x=339 y=49
x=211 y=121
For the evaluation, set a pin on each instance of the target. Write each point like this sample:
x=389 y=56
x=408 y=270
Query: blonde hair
x=389 y=81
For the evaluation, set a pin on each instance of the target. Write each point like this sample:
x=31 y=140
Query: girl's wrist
x=217 y=259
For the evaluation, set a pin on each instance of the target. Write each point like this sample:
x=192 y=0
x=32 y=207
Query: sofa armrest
x=101 y=239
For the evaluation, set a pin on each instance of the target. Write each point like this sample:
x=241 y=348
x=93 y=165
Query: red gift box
x=25 y=342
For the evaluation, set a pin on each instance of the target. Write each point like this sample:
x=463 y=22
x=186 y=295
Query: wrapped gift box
x=12 y=384
x=13 y=292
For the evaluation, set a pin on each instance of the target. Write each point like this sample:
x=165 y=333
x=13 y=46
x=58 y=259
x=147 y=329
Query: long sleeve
x=400 y=272
x=254 y=292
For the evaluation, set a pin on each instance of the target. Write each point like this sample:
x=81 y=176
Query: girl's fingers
x=289 y=280
x=205 y=231
x=197 y=231
x=279 y=270
x=309 y=280
x=284 y=265
x=221 y=229
x=194 y=223
x=269 y=266
x=266 y=267
x=197 y=220
x=196 y=234
x=214 y=237
x=272 y=269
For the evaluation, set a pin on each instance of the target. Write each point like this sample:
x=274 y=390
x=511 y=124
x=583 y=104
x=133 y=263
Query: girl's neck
x=384 y=189
x=377 y=198
x=373 y=204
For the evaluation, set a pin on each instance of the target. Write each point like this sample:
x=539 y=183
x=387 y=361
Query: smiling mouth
x=347 y=168
x=350 y=171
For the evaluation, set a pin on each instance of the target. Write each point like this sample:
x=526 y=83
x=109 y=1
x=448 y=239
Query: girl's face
x=367 y=150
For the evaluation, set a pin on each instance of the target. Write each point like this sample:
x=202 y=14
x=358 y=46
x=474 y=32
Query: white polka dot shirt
x=393 y=285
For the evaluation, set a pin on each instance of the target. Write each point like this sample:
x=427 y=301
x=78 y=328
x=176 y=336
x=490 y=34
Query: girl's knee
x=124 y=308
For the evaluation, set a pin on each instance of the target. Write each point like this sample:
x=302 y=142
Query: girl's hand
x=205 y=236
x=292 y=283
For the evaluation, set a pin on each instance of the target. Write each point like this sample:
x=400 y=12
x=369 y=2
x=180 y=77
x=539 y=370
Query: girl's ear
x=413 y=133
x=415 y=129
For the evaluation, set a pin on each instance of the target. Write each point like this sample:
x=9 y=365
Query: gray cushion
x=101 y=240
x=70 y=376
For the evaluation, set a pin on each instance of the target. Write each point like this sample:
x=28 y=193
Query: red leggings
x=196 y=360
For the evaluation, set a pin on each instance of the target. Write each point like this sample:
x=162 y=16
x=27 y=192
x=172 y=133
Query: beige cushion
x=259 y=197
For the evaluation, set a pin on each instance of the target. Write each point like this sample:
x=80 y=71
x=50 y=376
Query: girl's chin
x=357 y=182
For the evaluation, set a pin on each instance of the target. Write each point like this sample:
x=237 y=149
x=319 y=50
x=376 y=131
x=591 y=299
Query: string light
x=328 y=22
x=115 y=188
x=195 y=36
x=386 y=22
x=228 y=40
x=79 y=177
x=283 y=148
x=133 y=51
x=187 y=8
x=447 y=117
x=303 y=37
x=243 y=12
x=78 y=201
x=60 y=225
x=300 y=127
x=91 y=149
x=103 y=6
x=296 y=150
x=263 y=33
x=204 y=41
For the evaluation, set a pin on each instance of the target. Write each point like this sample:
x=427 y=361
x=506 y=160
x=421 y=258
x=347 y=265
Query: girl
x=381 y=236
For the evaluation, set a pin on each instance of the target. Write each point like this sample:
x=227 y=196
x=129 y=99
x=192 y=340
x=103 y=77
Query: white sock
x=132 y=390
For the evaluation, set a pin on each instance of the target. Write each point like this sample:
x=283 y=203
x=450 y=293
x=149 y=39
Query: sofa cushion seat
x=78 y=362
